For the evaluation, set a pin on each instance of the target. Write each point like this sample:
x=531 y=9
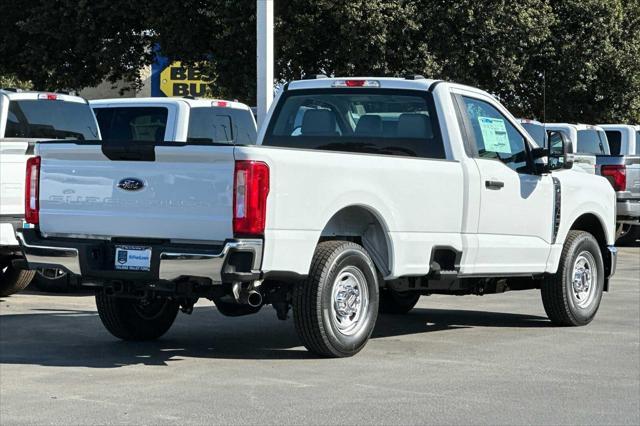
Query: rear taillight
x=617 y=175
x=250 y=190
x=32 y=191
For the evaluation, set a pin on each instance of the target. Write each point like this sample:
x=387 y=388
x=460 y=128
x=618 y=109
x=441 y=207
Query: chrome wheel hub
x=584 y=279
x=349 y=300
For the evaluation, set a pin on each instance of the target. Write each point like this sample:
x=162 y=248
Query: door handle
x=493 y=184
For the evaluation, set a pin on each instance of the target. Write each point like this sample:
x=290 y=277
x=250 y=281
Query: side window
x=615 y=141
x=132 y=123
x=495 y=136
x=244 y=127
x=13 y=126
x=208 y=125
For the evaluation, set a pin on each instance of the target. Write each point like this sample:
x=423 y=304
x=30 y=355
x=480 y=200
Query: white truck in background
x=588 y=142
x=175 y=119
x=622 y=169
x=25 y=118
x=361 y=195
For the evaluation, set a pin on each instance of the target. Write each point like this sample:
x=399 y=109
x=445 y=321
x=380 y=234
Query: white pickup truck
x=26 y=117
x=362 y=195
x=175 y=120
x=622 y=169
x=587 y=141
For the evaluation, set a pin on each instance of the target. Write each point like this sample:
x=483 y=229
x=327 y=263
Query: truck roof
x=529 y=121
x=415 y=83
x=36 y=95
x=193 y=103
x=384 y=82
x=578 y=126
x=620 y=127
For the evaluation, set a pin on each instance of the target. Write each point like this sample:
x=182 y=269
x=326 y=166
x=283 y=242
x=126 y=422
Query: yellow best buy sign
x=178 y=80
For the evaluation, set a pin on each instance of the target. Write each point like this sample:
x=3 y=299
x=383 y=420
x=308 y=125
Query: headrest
x=318 y=122
x=369 y=125
x=414 y=125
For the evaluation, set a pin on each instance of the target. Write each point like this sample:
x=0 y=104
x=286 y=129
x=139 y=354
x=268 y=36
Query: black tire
x=129 y=319
x=560 y=302
x=53 y=281
x=320 y=328
x=397 y=303
x=13 y=280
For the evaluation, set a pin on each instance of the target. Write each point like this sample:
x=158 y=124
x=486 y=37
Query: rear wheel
x=394 y=302
x=135 y=319
x=572 y=295
x=13 y=280
x=335 y=308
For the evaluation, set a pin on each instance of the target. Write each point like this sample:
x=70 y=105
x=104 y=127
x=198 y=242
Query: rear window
x=377 y=121
x=592 y=142
x=221 y=125
x=133 y=123
x=537 y=132
x=615 y=140
x=50 y=119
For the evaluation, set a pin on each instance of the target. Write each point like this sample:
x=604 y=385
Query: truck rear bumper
x=8 y=226
x=628 y=211
x=234 y=260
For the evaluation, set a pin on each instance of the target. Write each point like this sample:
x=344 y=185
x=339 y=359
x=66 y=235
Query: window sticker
x=494 y=134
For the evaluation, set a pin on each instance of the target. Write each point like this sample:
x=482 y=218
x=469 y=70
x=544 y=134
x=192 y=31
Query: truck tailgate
x=186 y=193
x=13 y=157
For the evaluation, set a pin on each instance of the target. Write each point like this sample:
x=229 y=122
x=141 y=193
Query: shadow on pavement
x=76 y=337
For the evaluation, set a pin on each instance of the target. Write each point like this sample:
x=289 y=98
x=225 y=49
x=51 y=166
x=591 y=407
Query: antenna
x=544 y=96
x=544 y=108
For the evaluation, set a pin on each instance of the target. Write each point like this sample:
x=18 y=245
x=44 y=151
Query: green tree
x=358 y=37
x=9 y=81
x=593 y=73
x=71 y=44
x=585 y=52
x=493 y=44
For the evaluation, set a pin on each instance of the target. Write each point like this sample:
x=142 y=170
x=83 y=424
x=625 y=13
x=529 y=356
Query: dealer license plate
x=133 y=258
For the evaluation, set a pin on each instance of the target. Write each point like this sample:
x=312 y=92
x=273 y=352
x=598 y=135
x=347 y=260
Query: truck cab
x=175 y=120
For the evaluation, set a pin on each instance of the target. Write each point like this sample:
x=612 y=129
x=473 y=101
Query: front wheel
x=572 y=296
x=13 y=280
x=335 y=308
x=135 y=319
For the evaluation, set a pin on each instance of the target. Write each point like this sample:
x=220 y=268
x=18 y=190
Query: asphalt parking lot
x=481 y=360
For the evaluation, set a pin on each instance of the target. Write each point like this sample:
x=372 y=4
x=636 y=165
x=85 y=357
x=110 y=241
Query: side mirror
x=559 y=151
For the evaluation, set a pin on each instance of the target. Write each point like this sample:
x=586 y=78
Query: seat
x=319 y=122
x=369 y=125
x=159 y=134
x=414 y=125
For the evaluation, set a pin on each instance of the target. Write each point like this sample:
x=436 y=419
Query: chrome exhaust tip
x=254 y=299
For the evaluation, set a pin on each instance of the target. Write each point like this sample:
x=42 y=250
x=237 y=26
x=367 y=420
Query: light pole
x=264 y=56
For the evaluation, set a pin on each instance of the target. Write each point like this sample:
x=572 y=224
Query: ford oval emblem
x=131 y=184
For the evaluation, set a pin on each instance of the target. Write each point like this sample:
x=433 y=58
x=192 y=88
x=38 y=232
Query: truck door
x=516 y=206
